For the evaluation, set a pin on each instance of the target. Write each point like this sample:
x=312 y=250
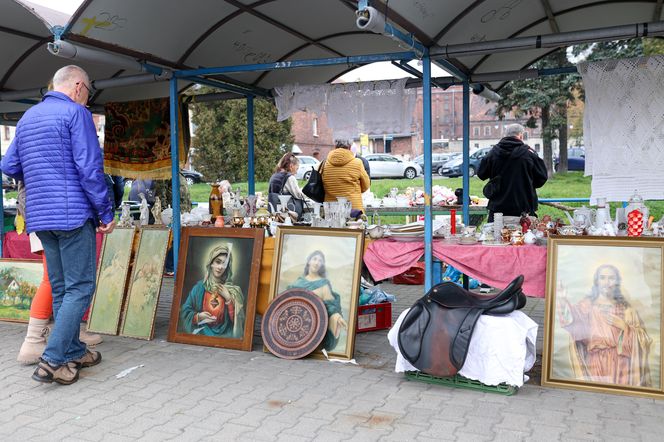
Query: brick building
x=312 y=134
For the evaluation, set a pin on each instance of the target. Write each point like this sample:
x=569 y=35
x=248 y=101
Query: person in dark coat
x=521 y=171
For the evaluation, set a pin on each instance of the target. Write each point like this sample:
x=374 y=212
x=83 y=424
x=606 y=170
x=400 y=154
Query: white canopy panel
x=206 y=33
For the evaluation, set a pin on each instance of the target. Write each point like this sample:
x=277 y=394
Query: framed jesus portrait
x=214 y=301
x=604 y=315
x=326 y=262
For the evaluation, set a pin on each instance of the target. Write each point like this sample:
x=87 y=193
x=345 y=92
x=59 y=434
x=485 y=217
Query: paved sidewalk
x=184 y=392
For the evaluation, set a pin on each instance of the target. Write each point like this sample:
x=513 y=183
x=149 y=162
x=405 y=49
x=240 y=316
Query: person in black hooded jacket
x=521 y=171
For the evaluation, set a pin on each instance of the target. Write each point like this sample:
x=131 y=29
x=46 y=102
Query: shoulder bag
x=314 y=188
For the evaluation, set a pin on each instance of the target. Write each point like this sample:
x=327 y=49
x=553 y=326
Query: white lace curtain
x=623 y=127
x=373 y=108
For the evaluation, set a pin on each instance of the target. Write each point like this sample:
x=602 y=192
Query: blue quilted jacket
x=57 y=154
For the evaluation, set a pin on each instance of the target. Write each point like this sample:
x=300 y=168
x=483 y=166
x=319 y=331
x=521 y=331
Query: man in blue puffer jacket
x=56 y=153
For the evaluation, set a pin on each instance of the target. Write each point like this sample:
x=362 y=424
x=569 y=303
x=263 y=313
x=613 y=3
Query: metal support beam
x=562 y=39
x=74 y=52
x=550 y=15
x=426 y=133
x=175 y=171
x=657 y=13
x=251 y=173
x=356 y=59
x=466 y=153
x=105 y=83
x=370 y=19
x=217 y=85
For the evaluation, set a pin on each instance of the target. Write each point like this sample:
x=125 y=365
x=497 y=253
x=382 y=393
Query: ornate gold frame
x=319 y=233
x=553 y=310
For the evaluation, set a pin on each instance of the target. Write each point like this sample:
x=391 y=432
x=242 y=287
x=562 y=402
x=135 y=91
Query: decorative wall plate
x=294 y=324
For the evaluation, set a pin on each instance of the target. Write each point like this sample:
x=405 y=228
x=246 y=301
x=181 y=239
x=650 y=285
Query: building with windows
x=312 y=134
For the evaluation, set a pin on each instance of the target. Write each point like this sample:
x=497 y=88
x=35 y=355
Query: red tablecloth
x=18 y=246
x=496 y=266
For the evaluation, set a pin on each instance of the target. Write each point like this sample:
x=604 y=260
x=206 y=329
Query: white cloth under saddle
x=501 y=349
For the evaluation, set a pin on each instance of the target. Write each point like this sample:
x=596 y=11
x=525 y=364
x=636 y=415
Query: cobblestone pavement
x=185 y=392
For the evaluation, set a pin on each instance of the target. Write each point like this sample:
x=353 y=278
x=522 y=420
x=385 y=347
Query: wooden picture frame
x=108 y=299
x=216 y=313
x=339 y=278
x=603 y=318
x=144 y=285
x=19 y=281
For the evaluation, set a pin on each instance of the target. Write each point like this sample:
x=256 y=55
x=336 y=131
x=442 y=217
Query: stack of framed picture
x=603 y=321
x=214 y=301
x=129 y=280
x=19 y=280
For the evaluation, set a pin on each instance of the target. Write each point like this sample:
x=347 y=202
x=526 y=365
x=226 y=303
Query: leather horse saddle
x=435 y=334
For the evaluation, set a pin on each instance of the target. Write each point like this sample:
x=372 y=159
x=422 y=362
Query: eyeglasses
x=90 y=93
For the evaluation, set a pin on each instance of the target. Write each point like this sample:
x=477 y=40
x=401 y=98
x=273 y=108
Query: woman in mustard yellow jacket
x=344 y=175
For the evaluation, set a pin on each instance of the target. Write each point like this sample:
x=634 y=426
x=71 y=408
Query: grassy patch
x=570 y=185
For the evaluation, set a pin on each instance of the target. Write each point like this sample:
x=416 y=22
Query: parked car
x=455 y=167
x=191 y=176
x=437 y=161
x=576 y=159
x=383 y=165
x=306 y=164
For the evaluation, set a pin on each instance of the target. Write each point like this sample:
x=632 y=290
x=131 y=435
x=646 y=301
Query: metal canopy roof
x=180 y=34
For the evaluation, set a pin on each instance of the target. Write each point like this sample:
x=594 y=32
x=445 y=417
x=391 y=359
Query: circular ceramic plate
x=294 y=324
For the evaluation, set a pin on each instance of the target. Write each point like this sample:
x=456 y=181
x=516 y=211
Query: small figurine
x=125 y=217
x=156 y=211
x=525 y=222
x=145 y=216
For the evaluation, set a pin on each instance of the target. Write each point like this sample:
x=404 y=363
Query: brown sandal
x=89 y=359
x=64 y=374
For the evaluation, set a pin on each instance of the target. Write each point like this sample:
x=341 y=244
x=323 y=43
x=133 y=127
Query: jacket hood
x=507 y=145
x=340 y=157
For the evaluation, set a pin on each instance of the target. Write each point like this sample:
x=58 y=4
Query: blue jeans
x=70 y=258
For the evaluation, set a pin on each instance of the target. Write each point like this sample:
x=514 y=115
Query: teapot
x=376 y=232
x=584 y=217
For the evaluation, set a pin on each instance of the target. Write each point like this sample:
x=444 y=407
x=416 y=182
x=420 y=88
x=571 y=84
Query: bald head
x=74 y=82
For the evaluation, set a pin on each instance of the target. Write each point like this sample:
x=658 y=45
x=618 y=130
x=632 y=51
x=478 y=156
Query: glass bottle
x=216 y=202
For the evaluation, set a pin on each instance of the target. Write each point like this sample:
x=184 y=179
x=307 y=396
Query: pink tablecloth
x=18 y=246
x=496 y=266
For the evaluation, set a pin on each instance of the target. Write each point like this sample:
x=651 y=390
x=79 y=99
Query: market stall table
x=476 y=213
x=18 y=246
x=496 y=266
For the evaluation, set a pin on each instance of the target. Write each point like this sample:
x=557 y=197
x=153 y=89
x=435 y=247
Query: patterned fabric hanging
x=137 y=139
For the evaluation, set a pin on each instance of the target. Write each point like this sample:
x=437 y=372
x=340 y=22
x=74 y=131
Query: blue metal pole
x=466 y=151
x=227 y=87
x=251 y=174
x=357 y=59
x=426 y=133
x=175 y=170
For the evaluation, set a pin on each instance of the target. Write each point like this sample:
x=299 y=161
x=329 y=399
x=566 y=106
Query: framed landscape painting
x=145 y=283
x=111 y=281
x=326 y=262
x=604 y=315
x=214 y=301
x=19 y=280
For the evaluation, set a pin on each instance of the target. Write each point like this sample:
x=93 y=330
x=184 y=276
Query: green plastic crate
x=458 y=381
